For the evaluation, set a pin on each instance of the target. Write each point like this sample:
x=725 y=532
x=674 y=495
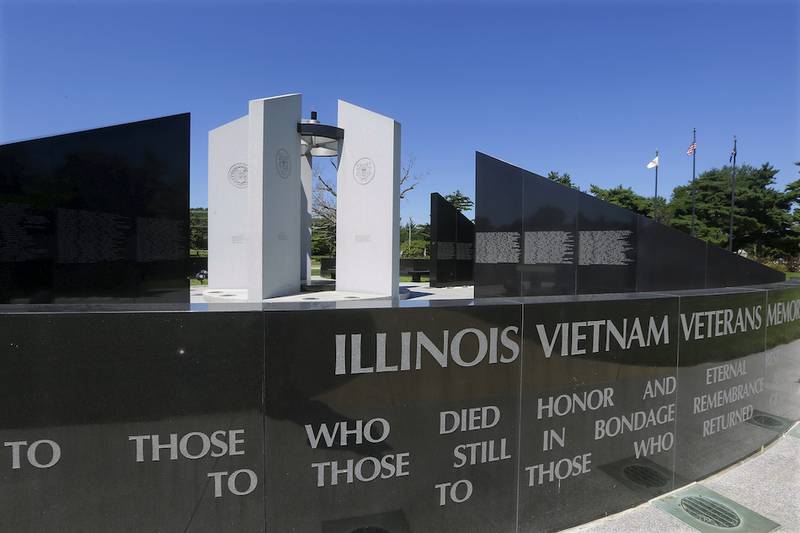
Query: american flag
x=691 y=149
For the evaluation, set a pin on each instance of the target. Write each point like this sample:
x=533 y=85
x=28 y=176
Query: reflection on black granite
x=722 y=381
x=98 y=215
x=452 y=244
x=726 y=269
x=580 y=385
x=388 y=522
x=461 y=416
x=782 y=358
x=668 y=259
x=94 y=383
x=302 y=375
x=575 y=243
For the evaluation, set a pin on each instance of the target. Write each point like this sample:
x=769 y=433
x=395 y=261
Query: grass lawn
x=793 y=275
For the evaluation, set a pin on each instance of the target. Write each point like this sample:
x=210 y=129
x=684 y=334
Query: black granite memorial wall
x=722 y=378
x=525 y=416
x=97 y=215
x=452 y=244
x=781 y=363
x=589 y=369
x=131 y=422
x=537 y=237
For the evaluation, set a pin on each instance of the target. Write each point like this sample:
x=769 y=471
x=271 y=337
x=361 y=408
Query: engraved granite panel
x=98 y=215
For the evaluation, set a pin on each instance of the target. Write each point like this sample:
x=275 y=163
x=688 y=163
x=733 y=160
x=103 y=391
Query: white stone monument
x=260 y=196
x=274 y=203
x=227 y=205
x=368 y=203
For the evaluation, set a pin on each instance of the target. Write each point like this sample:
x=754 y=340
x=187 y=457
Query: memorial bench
x=416 y=275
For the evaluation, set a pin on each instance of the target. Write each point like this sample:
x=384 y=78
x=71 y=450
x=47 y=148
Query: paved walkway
x=767 y=483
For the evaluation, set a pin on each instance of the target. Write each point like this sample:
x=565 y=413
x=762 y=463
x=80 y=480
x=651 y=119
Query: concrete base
x=408 y=291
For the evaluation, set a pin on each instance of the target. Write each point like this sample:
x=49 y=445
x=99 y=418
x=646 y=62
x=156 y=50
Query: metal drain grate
x=768 y=421
x=645 y=476
x=710 y=512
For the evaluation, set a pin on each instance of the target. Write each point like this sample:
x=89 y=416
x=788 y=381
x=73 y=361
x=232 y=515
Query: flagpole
x=694 y=157
x=733 y=195
x=655 y=198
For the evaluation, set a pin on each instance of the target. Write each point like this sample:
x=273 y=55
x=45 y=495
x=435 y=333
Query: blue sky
x=586 y=87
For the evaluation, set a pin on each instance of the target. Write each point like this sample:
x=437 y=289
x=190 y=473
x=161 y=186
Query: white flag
x=653 y=163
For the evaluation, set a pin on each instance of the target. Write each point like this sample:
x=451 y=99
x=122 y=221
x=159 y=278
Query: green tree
x=323 y=238
x=563 y=179
x=198 y=228
x=765 y=222
x=421 y=232
x=415 y=243
x=414 y=248
x=460 y=201
x=625 y=197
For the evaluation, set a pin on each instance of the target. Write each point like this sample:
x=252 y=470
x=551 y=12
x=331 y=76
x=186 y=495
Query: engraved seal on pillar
x=237 y=175
x=364 y=170
x=282 y=163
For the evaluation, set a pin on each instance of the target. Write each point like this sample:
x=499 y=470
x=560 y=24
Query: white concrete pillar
x=368 y=203
x=227 y=205
x=274 y=205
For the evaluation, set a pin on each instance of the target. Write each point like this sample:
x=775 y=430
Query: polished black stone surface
x=98 y=215
x=668 y=259
x=307 y=388
x=721 y=375
x=452 y=244
x=444 y=235
x=577 y=406
x=587 y=368
x=499 y=213
x=607 y=244
x=726 y=269
x=465 y=250
x=575 y=243
x=782 y=360
x=550 y=237
x=100 y=385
